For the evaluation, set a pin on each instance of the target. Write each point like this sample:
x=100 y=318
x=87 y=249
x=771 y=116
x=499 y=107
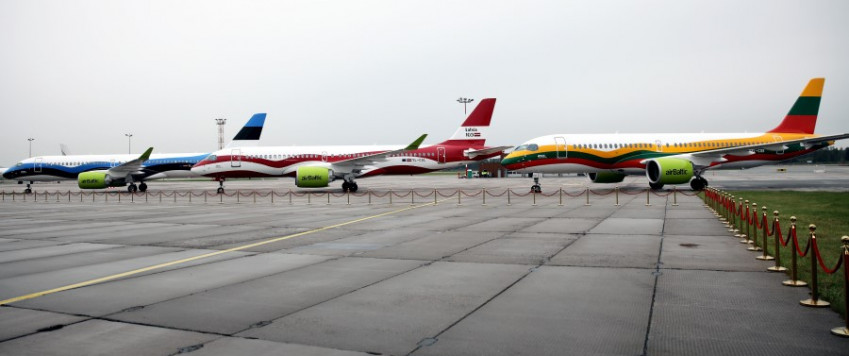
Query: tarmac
x=407 y=278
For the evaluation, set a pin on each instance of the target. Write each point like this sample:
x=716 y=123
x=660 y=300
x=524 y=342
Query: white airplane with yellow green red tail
x=669 y=158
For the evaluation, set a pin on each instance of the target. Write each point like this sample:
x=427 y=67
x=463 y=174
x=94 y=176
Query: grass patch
x=829 y=212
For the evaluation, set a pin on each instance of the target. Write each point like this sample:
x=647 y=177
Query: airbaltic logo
x=311 y=177
x=89 y=181
x=676 y=172
x=472 y=132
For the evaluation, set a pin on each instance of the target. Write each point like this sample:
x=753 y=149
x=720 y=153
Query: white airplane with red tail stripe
x=317 y=166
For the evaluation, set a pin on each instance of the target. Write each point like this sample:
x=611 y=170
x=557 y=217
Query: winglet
x=146 y=155
x=415 y=145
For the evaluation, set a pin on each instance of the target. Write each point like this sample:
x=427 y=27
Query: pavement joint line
x=206 y=255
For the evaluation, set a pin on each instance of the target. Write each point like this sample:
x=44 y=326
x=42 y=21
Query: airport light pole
x=129 y=143
x=464 y=101
x=220 y=122
x=30 y=145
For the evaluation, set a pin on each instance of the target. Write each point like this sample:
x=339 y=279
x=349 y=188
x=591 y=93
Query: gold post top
x=775 y=213
x=845 y=241
x=747 y=201
x=755 y=205
x=793 y=220
x=812 y=227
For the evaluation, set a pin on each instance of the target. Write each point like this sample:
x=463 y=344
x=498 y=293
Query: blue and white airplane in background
x=117 y=170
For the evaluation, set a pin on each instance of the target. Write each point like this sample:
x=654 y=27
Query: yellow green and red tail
x=802 y=117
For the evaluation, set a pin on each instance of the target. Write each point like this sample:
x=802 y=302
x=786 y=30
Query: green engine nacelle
x=313 y=177
x=94 y=180
x=606 y=177
x=669 y=171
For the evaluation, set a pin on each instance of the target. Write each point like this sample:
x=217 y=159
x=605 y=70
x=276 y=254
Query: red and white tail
x=472 y=132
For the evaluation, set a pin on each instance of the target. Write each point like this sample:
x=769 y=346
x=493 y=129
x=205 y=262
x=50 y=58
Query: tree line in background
x=825 y=155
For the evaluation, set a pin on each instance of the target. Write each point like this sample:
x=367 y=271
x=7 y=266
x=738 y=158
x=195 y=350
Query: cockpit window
x=20 y=164
x=211 y=158
x=529 y=147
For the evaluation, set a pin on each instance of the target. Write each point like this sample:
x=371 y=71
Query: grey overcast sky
x=84 y=73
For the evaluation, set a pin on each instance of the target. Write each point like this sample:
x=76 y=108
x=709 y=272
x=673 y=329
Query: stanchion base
x=814 y=303
x=840 y=331
x=796 y=283
x=765 y=258
x=744 y=241
x=755 y=248
x=750 y=242
x=776 y=269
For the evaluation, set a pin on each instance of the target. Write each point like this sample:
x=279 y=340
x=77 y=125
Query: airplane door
x=324 y=156
x=560 y=147
x=236 y=158
x=659 y=146
x=440 y=154
x=37 y=167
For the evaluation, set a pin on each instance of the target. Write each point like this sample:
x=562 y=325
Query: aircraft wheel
x=220 y=190
x=697 y=184
x=143 y=187
x=132 y=188
x=353 y=188
x=656 y=186
x=27 y=191
x=536 y=188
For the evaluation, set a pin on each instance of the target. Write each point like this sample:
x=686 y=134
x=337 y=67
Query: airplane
x=102 y=171
x=674 y=158
x=317 y=166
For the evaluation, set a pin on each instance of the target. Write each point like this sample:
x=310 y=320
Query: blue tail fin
x=252 y=130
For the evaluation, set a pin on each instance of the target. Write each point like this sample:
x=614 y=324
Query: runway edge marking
x=207 y=255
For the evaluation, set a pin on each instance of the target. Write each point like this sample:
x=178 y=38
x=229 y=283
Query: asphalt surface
x=410 y=277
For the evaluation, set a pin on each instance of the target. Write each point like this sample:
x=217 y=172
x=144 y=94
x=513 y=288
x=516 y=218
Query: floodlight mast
x=129 y=143
x=464 y=101
x=30 y=145
x=220 y=122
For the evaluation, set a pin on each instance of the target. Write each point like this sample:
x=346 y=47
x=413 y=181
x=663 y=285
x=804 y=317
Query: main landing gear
x=29 y=189
x=132 y=188
x=698 y=183
x=349 y=186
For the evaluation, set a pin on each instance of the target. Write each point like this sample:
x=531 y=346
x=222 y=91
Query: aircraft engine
x=606 y=177
x=95 y=180
x=313 y=177
x=669 y=171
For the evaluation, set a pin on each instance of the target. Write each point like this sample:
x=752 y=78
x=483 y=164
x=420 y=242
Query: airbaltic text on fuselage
x=312 y=177
x=676 y=172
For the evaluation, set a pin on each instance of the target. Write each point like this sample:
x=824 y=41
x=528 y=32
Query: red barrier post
x=814 y=301
x=794 y=280
x=753 y=220
x=765 y=256
x=844 y=330
x=745 y=218
x=776 y=235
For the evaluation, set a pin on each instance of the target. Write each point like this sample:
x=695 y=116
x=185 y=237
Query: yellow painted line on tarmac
x=211 y=254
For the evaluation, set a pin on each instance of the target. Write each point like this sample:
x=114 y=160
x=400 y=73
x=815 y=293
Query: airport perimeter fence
x=481 y=196
x=743 y=220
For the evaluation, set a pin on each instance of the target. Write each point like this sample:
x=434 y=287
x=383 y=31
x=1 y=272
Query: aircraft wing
x=131 y=167
x=486 y=151
x=772 y=146
x=377 y=157
x=705 y=158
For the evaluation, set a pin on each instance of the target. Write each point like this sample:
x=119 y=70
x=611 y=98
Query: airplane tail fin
x=250 y=132
x=802 y=117
x=472 y=132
